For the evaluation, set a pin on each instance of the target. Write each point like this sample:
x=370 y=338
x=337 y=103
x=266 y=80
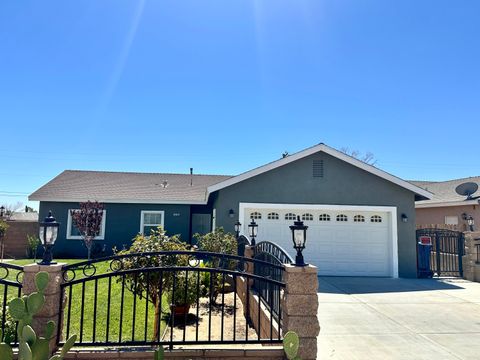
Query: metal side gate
x=446 y=250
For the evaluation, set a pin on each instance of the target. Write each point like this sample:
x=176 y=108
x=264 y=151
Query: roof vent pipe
x=191 y=176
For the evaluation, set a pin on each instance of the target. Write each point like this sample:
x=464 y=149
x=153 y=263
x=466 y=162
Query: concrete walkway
x=393 y=319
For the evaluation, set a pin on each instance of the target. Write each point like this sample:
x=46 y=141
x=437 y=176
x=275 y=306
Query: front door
x=201 y=224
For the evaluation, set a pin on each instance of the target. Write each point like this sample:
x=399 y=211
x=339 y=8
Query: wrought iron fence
x=136 y=299
x=271 y=254
x=448 y=247
x=10 y=287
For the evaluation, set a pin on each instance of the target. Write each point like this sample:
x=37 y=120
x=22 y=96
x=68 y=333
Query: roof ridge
x=142 y=173
x=445 y=181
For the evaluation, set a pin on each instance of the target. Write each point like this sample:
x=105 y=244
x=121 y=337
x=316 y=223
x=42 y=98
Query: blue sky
x=224 y=86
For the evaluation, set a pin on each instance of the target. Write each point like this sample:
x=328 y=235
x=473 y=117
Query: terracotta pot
x=179 y=310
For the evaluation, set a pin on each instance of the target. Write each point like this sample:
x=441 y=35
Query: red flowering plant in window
x=88 y=221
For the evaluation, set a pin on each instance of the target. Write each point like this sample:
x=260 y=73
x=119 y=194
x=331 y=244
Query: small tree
x=88 y=221
x=147 y=284
x=3 y=230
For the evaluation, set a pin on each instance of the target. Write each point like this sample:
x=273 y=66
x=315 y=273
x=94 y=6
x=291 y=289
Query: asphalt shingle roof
x=77 y=185
x=444 y=191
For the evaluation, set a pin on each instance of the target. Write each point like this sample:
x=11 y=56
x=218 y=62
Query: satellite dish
x=467 y=189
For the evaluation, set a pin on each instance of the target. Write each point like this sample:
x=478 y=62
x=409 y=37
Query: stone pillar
x=53 y=297
x=471 y=270
x=300 y=306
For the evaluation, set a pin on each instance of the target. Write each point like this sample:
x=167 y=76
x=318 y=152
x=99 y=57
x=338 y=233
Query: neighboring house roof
x=420 y=193
x=126 y=187
x=444 y=193
x=24 y=216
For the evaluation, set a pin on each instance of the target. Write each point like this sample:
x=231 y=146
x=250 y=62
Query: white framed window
x=273 y=216
x=255 y=215
x=324 y=217
x=290 y=216
x=359 y=218
x=376 y=219
x=307 y=217
x=451 y=220
x=150 y=220
x=342 y=218
x=74 y=234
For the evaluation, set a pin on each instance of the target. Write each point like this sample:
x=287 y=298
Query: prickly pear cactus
x=291 y=344
x=159 y=354
x=31 y=346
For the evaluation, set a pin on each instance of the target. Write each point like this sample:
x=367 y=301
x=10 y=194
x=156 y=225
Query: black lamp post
x=48 y=235
x=253 y=229
x=2 y=211
x=238 y=225
x=299 y=237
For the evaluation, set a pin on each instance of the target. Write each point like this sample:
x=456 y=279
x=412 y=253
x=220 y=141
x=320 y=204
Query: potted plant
x=185 y=293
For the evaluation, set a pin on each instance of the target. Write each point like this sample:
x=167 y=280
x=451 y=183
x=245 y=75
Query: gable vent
x=318 y=168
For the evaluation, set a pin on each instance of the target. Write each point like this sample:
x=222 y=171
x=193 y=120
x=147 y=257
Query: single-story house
x=361 y=219
x=446 y=206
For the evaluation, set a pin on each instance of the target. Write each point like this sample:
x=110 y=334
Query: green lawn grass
x=134 y=323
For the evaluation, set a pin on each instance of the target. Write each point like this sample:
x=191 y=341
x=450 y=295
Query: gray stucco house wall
x=121 y=226
x=341 y=184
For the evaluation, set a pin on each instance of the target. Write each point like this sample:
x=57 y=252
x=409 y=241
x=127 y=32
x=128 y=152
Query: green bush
x=3 y=227
x=33 y=242
x=217 y=241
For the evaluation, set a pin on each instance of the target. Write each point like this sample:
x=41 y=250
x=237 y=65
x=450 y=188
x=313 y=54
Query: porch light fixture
x=253 y=230
x=404 y=218
x=238 y=225
x=231 y=213
x=48 y=236
x=470 y=221
x=299 y=237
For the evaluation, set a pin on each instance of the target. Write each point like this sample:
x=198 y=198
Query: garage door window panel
x=290 y=216
x=256 y=215
x=342 y=218
x=359 y=218
x=376 y=219
x=307 y=217
x=273 y=216
x=324 y=217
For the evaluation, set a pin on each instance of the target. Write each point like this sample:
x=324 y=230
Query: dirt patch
x=231 y=330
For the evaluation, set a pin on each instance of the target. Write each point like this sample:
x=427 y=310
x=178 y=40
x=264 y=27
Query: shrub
x=33 y=242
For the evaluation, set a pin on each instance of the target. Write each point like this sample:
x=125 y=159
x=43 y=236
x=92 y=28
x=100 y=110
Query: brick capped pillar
x=471 y=270
x=300 y=306
x=53 y=297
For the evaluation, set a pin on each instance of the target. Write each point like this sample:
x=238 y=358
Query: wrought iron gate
x=446 y=251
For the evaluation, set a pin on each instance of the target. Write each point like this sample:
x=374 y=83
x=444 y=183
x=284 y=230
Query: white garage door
x=341 y=240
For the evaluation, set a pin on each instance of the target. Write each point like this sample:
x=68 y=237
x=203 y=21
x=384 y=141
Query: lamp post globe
x=299 y=238
x=48 y=235
x=238 y=225
x=253 y=230
x=470 y=222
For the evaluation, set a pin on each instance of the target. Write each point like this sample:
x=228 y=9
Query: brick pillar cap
x=291 y=268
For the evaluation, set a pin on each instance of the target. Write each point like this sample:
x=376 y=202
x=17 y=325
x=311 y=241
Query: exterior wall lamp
x=253 y=230
x=237 y=225
x=404 y=218
x=299 y=237
x=48 y=236
x=470 y=221
x=231 y=213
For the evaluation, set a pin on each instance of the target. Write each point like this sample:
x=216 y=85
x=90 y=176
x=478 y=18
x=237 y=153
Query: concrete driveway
x=392 y=319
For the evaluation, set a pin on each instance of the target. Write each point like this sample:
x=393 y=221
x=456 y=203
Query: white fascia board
x=122 y=201
x=312 y=150
x=424 y=205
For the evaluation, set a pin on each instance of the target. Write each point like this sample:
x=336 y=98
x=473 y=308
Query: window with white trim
x=342 y=218
x=74 y=234
x=255 y=215
x=376 y=219
x=359 y=218
x=290 y=216
x=273 y=216
x=151 y=220
x=324 y=217
x=307 y=217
